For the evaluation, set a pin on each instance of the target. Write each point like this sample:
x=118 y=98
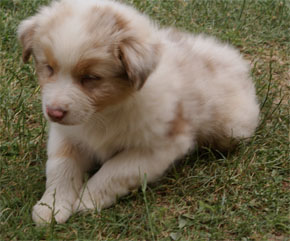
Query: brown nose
x=56 y=114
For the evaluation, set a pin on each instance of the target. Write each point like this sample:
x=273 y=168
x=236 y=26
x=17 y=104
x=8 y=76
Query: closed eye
x=90 y=80
x=90 y=77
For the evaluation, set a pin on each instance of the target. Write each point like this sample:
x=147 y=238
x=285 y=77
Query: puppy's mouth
x=64 y=122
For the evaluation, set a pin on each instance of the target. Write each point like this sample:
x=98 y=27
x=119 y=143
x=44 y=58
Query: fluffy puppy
x=118 y=89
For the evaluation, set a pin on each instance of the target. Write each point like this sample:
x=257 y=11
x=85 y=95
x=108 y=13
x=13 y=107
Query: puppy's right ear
x=25 y=33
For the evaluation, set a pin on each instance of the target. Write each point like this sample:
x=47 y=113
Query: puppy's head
x=89 y=55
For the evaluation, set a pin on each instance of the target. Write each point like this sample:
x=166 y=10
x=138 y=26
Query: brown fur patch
x=177 y=125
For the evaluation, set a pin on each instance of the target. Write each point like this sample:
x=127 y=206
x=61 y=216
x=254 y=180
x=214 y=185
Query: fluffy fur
x=134 y=97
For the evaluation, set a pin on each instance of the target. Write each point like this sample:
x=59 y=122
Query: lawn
x=209 y=196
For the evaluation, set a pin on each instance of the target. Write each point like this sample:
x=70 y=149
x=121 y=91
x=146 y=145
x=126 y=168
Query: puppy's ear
x=25 y=33
x=139 y=59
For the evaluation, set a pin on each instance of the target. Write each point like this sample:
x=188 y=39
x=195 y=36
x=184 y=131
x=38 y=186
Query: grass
x=242 y=196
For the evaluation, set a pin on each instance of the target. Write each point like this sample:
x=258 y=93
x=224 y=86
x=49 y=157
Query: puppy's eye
x=90 y=78
x=50 y=70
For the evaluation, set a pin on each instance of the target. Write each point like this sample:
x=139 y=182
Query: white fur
x=209 y=80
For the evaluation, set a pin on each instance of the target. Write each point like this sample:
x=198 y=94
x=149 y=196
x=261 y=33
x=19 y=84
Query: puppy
x=118 y=89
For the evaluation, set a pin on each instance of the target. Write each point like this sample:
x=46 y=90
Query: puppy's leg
x=64 y=180
x=122 y=173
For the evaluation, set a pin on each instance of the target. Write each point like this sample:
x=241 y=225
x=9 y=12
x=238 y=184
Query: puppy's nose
x=56 y=114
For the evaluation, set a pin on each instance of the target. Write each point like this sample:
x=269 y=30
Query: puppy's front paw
x=43 y=212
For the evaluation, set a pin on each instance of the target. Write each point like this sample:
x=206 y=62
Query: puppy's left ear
x=25 y=33
x=139 y=59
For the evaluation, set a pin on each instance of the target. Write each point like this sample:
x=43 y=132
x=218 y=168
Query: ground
x=241 y=196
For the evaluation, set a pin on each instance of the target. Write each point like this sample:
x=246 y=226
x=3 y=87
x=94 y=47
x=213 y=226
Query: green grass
x=243 y=196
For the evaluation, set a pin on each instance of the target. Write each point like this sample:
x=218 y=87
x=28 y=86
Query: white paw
x=43 y=213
